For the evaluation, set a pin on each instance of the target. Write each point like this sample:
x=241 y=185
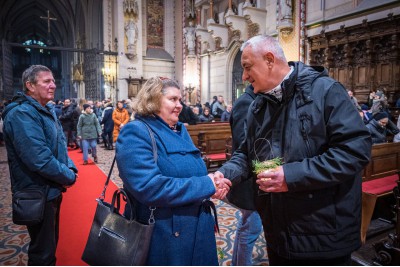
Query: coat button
x=176 y=234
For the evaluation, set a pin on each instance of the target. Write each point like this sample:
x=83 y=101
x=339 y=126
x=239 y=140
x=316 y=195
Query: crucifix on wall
x=48 y=18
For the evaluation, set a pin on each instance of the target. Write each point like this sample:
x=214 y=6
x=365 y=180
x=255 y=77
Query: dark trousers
x=275 y=259
x=107 y=139
x=44 y=236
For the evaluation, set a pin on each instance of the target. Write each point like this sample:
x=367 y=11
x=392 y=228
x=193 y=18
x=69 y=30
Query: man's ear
x=28 y=85
x=269 y=58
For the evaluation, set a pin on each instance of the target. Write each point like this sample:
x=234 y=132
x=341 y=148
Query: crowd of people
x=308 y=205
x=218 y=110
x=377 y=117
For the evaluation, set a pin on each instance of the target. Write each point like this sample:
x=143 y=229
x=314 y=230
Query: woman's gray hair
x=261 y=44
x=30 y=74
x=148 y=100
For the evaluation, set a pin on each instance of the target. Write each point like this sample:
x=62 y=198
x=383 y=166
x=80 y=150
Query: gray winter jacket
x=88 y=126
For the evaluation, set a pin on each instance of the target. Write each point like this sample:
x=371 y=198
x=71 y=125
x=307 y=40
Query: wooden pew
x=194 y=130
x=212 y=143
x=379 y=179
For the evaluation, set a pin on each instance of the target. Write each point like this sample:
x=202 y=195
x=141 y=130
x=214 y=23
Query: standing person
x=37 y=157
x=176 y=183
x=58 y=108
x=98 y=111
x=88 y=131
x=214 y=100
x=128 y=107
x=108 y=127
x=75 y=117
x=310 y=205
x=249 y=224
x=67 y=122
x=120 y=117
x=218 y=107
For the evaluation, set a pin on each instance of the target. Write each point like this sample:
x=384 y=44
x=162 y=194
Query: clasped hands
x=268 y=181
x=222 y=185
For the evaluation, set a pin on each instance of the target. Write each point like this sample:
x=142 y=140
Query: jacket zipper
x=303 y=118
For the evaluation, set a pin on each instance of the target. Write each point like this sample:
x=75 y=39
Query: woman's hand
x=222 y=185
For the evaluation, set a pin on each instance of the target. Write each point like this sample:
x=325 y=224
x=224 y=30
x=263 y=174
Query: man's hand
x=76 y=178
x=272 y=180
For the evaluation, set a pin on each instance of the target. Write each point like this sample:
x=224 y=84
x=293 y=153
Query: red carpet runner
x=77 y=210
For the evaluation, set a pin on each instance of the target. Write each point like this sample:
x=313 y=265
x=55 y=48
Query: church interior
x=101 y=49
x=107 y=49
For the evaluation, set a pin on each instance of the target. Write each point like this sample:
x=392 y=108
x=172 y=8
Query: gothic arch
x=233 y=51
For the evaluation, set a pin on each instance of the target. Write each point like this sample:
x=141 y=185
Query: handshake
x=269 y=181
x=222 y=185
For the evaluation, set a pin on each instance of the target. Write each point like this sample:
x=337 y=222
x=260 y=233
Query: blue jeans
x=249 y=228
x=85 y=147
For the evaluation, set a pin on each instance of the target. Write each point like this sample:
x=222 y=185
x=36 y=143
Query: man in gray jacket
x=310 y=206
x=37 y=157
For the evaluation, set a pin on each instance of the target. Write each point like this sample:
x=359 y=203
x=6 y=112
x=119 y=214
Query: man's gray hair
x=30 y=74
x=261 y=44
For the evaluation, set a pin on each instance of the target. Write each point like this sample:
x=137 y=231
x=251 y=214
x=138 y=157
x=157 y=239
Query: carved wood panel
x=363 y=57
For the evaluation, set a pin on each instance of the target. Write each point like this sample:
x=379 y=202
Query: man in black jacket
x=311 y=205
x=67 y=120
x=249 y=225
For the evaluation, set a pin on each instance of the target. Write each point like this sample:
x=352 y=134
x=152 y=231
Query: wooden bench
x=213 y=146
x=194 y=130
x=379 y=179
x=228 y=148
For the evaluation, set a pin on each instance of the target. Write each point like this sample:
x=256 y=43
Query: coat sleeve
x=79 y=126
x=348 y=147
x=32 y=149
x=143 y=178
x=126 y=117
x=98 y=127
x=114 y=117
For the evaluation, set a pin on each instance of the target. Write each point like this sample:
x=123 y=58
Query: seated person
x=227 y=113
x=206 y=116
x=378 y=128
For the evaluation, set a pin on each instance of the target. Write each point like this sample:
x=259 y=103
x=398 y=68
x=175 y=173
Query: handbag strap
x=103 y=193
x=153 y=141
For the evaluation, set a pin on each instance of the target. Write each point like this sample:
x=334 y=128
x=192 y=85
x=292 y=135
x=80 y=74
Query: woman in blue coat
x=174 y=180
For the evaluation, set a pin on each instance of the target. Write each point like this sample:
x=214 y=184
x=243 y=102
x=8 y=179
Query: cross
x=48 y=20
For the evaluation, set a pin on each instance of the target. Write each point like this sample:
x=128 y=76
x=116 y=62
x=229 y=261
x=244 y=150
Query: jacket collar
x=20 y=98
x=173 y=142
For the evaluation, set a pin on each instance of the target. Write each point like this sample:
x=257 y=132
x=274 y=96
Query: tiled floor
x=14 y=239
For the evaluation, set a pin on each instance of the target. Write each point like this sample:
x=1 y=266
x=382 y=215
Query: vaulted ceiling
x=21 y=20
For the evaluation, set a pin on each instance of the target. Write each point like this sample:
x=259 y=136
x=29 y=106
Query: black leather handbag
x=28 y=205
x=115 y=239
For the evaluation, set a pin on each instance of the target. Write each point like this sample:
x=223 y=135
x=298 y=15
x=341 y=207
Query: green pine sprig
x=260 y=166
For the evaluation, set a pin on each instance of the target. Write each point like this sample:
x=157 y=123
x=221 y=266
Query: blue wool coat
x=177 y=184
